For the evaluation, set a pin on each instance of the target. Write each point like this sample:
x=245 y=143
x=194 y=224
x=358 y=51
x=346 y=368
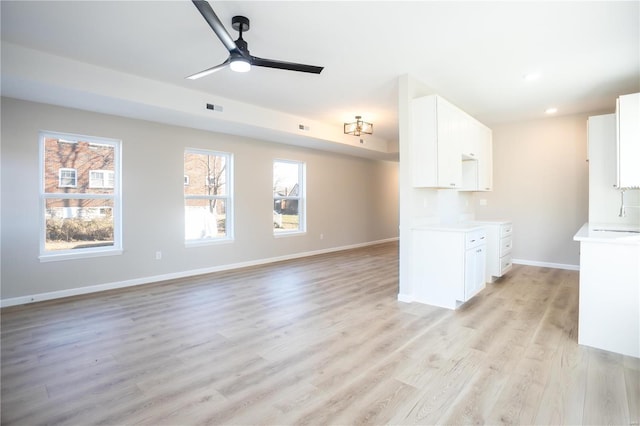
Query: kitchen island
x=609 y=310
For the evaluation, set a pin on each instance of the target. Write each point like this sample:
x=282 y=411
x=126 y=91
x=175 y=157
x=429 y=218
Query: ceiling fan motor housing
x=240 y=24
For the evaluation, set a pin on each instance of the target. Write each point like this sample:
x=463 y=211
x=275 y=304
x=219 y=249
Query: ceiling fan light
x=240 y=65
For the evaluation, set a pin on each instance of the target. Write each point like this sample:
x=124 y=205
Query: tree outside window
x=288 y=197
x=79 y=217
x=208 y=196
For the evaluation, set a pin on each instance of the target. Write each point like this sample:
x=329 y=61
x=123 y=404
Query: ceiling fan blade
x=209 y=71
x=291 y=66
x=214 y=22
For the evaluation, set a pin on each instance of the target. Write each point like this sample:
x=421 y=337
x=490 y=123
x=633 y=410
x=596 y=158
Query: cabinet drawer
x=505 y=230
x=475 y=238
x=505 y=264
x=505 y=246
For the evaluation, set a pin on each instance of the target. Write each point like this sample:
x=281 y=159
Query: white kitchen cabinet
x=477 y=160
x=448 y=264
x=436 y=143
x=628 y=140
x=474 y=270
x=609 y=290
x=485 y=160
x=499 y=246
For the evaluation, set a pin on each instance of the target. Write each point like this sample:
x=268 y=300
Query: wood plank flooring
x=319 y=340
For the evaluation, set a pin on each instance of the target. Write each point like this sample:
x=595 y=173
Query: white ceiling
x=473 y=53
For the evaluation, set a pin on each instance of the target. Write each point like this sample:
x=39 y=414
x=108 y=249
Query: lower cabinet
x=499 y=246
x=474 y=270
x=610 y=296
x=448 y=264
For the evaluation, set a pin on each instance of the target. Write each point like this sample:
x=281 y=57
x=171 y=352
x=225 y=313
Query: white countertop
x=491 y=222
x=450 y=227
x=607 y=234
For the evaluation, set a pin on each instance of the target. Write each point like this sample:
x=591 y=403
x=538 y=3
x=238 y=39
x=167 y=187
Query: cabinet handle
x=452 y=184
x=487 y=189
x=471 y=154
x=508 y=245
x=482 y=238
x=473 y=241
x=479 y=251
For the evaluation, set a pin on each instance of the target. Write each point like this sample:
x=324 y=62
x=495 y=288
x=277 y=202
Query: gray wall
x=350 y=200
x=540 y=181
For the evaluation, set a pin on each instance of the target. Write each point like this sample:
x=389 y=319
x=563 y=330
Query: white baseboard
x=406 y=298
x=21 y=300
x=547 y=264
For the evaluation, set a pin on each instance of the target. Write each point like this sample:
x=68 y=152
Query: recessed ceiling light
x=551 y=110
x=531 y=76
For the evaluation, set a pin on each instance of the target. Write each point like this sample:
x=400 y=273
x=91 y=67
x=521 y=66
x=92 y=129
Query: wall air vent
x=215 y=107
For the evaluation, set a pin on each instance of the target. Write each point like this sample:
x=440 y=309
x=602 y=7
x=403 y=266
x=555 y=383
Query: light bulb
x=240 y=65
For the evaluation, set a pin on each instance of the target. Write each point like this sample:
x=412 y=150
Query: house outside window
x=101 y=179
x=67 y=178
x=208 y=196
x=288 y=197
x=79 y=196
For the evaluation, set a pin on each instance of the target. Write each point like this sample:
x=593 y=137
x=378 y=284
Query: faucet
x=623 y=211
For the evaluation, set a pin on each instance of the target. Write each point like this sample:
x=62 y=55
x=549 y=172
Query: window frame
x=105 y=174
x=301 y=198
x=115 y=197
x=228 y=199
x=75 y=177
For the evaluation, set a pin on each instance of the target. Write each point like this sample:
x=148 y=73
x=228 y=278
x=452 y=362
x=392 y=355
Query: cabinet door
x=474 y=261
x=477 y=164
x=450 y=126
x=628 y=114
x=424 y=142
x=485 y=160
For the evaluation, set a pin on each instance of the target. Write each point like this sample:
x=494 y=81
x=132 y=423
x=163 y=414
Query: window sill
x=283 y=234
x=210 y=242
x=67 y=255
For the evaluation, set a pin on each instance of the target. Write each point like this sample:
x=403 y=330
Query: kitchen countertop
x=607 y=234
x=450 y=227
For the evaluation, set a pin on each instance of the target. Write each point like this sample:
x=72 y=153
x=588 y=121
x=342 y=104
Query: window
x=208 y=196
x=101 y=179
x=79 y=196
x=67 y=178
x=288 y=197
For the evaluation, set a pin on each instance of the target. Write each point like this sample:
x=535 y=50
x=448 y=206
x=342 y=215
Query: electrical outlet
x=158 y=255
x=322 y=236
x=483 y=201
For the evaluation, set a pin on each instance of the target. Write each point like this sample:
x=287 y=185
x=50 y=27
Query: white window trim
x=105 y=173
x=75 y=177
x=301 y=198
x=116 y=248
x=228 y=199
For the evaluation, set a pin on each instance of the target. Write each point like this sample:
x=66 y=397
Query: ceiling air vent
x=214 y=107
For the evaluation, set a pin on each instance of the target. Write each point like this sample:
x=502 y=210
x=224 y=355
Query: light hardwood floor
x=320 y=340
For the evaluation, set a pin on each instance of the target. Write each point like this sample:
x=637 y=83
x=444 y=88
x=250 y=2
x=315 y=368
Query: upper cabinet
x=436 y=146
x=450 y=149
x=477 y=163
x=628 y=144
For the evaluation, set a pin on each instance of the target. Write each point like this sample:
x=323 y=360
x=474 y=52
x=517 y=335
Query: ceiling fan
x=239 y=59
